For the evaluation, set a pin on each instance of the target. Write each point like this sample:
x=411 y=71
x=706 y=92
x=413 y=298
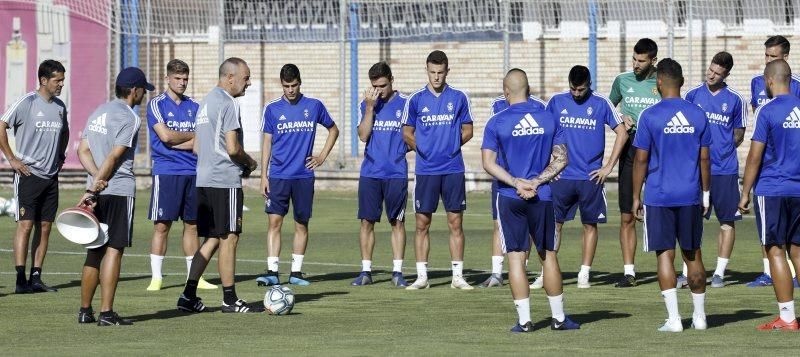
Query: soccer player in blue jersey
x=517 y=147
x=583 y=115
x=496 y=278
x=384 y=171
x=170 y=120
x=437 y=121
x=672 y=153
x=726 y=112
x=288 y=163
x=774 y=168
x=776 y=47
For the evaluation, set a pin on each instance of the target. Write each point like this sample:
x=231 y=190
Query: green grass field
x=333 y=318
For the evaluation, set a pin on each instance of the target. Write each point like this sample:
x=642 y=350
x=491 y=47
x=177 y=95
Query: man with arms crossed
x=40 y=125
x=633 y=92
x=384 y=171
x=672 y=154
x=726 y=112
x=290 y=126
x=773 y=167
x=583 y=115
x=170 y=120
x=517 y=147
x=106 y=152
x=221 y=165
x=437 y=121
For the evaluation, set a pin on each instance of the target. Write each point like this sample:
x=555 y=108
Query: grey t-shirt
x=114 y=124
x=39 y=127
x=218 y=114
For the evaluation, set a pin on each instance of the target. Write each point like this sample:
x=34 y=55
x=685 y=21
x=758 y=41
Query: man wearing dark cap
x=106 y=152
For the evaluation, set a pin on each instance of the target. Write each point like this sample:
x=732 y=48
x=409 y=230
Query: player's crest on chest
x=450 y=106
x=189 y=113
x=655 y=90
x=305 y=113
x=589 y=111
x=398 y=113
x=724 y=107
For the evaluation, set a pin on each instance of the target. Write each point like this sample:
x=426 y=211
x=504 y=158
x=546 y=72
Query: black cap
x=133 y=77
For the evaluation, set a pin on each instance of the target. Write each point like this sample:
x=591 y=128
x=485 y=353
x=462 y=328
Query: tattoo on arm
x=557 y=163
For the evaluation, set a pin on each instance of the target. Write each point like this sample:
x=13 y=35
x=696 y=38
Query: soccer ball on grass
x=279 y=300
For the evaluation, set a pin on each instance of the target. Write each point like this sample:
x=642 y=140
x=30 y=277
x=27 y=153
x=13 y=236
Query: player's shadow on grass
x=77 y=282
x=642 y=278
x=470 y=275
x=737 y=277
x=586 y=318
x=718 y=320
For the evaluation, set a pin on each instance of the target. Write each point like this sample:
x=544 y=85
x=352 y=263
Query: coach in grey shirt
x=39 y=122
x=106 y=152
x=221 y=164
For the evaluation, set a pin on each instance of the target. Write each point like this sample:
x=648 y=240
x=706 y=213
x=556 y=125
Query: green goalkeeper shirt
x=634 y=95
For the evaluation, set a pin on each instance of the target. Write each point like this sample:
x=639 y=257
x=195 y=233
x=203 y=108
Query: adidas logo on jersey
x=601 y=216
x=40 y=114
x=527 y=126
x=679 y=125
x=170 y=114
x=98 y=125
x=564 y=111
x=283 y=117
x=762 y=93
x=793 y=120
x=630 y=90
x=425 y=109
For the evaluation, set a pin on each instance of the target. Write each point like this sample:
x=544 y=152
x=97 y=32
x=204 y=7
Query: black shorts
x=37 y=198
x=219 y=211
x=625 y=179
x=117 y=213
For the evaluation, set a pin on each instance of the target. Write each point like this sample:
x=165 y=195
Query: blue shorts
x=725 y=195
x=173 y=197
x=568 y=195
x=301 y=193
x=778 y=220
x=372 y=192
x=662 y=225
x=494 y=200
x=451 y=187
x=521 y=221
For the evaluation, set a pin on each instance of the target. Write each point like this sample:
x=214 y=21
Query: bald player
x=774 y=168
x=221 y=165
x=517 y=147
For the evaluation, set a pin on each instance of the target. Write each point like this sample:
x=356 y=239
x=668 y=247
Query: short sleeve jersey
x=385 y=151
x=218 y=115
x=114 y=124
x=293 y=127
x=673 y=131
x=177 y=117
x=758 y=90
x=724 y=111
x=38 y=126
x=634 y=95
x=777 y=125
x=584 y=131
x=500 y=103
x=437 y=122
x=523 y=137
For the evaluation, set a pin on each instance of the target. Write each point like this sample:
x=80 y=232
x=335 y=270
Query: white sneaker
x=459 y=283
x=583 y=281
x=538 y=283
x=672 y=326
x=420 y=283
x=699 y=322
